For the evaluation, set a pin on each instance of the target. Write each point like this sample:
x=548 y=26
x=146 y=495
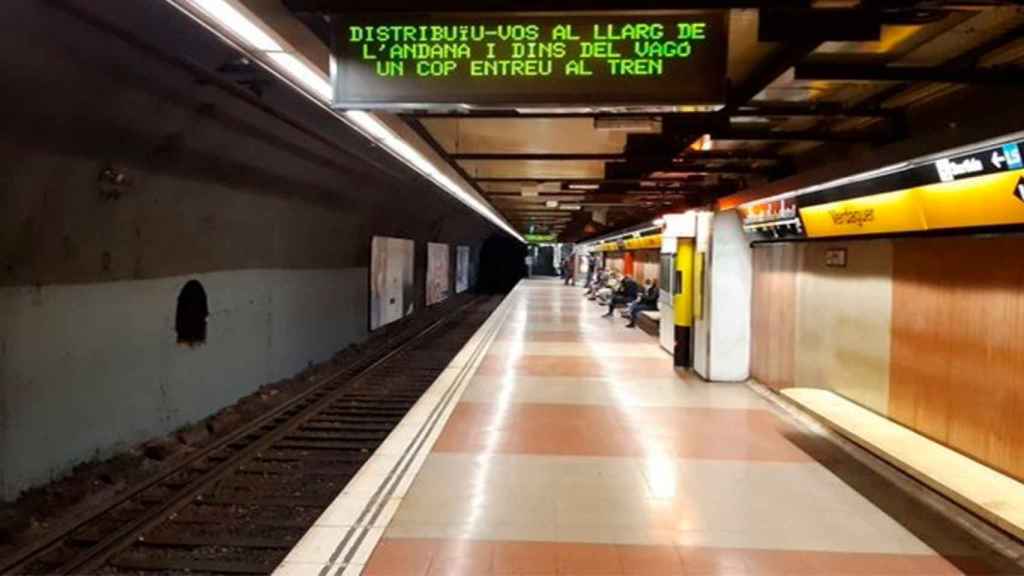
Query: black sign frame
x=355 y=87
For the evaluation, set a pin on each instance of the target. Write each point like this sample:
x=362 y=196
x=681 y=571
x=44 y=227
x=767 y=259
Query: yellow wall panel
x=992 y=200
x=983 y=201
x=878 y=214
x=683 y=303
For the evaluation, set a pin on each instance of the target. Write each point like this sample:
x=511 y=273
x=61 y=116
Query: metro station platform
x=575 y=447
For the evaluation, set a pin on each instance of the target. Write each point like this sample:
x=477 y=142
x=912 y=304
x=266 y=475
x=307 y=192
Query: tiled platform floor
x=577 y=449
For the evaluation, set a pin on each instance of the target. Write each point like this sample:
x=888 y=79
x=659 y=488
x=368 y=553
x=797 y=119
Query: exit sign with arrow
x=1008 y=156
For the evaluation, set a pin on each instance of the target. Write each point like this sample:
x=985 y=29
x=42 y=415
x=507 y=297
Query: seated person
x=597 y=279
x=591 y=271
x=626 y=294
x=648 y=300
x=608 y=290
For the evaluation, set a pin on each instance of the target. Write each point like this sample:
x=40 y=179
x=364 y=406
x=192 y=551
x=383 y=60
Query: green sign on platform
x=540 y=238
x=490 y=59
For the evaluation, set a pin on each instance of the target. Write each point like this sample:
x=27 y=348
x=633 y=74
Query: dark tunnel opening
x=192 y=311
x=502 y=264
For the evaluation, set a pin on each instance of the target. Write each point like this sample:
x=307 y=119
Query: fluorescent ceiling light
x=302 y=73
x=551 y=203
x=370 y=126
x=233 y=21
x=654 y=227
x=231 y=18
x=702 y=144
x=554 y=110
x=749 y=120
x=702 y=108
x=616 y=124
x=240 y=26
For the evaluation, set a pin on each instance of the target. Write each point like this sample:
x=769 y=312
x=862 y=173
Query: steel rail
x=128 y=534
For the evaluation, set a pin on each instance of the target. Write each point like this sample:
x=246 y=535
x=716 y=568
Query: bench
x=648 y=321
x=988 y=493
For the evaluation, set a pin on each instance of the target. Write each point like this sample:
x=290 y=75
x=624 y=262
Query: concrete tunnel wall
x=275 y=223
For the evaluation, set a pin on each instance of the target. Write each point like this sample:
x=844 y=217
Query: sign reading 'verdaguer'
x=509 y=60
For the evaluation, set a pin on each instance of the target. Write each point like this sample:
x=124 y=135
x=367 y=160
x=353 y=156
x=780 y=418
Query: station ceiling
x=788 y=104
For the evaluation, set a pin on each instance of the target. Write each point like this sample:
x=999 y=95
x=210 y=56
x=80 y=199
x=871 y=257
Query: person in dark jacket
x=626 y=294
x=648 y=300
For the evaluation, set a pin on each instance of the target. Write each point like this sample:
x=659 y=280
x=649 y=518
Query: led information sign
x=494 y=60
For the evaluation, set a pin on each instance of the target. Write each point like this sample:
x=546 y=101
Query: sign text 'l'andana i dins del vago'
x=494 y=59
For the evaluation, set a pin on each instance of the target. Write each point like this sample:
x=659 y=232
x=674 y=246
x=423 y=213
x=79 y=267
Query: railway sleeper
x=191 y=541
x=163 y=565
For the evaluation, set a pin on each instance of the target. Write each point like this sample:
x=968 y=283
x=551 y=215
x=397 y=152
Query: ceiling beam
x=967 y=60
x=427 y=137
x=403 y=6
x=810 y=135
x=809 y=109
x=766 y=109
x=639 y=169
x=667 y=143
x=567 y=181
x=685 y=167
x=872 y=73
x=767 y=72
x=614 y=157
x=687 y=187
x=632 y=196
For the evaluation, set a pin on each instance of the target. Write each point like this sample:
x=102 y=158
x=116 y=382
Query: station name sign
x=493 y=60
x=981 y=189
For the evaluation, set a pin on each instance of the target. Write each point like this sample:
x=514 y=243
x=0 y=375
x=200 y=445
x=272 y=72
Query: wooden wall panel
x=773 y=314
x=957 y=359
x=615 y=261
x=646 y=265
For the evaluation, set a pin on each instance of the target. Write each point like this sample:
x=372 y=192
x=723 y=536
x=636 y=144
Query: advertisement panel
x=461 y=269
x=438 y=275
x=392 y=277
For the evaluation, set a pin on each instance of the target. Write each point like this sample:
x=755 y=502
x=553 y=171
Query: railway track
x=240 y=504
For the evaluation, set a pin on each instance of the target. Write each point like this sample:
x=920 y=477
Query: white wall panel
x=88 y=369
x=729 y=301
